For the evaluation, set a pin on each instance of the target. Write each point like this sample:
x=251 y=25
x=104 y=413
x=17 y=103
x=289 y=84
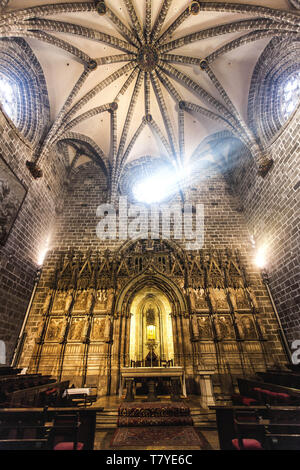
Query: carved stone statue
x=107 y=329
x=110 y=298
x=68 y=301
x=232 y=296
x=46 y=304
x=204 y=327
x=212 y=298
x=223 y=329
x=89 y=300
x=75 y=333
x=262 y=328
x=195 y=329
x=252 y=297
x=240 y=328
x=248 y=327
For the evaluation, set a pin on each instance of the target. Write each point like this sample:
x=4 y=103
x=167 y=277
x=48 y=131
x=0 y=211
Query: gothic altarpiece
x=102 y=309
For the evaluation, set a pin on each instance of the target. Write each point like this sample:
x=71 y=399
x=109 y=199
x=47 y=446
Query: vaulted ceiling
x=147 y=77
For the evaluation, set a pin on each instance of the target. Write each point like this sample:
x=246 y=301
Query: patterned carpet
x=161 y=436
x=154 y=414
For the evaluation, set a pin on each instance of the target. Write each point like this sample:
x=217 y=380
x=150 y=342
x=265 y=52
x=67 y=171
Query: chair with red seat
x=69 y=446
x=246 y=444
x=249 y=435
x=66 y=432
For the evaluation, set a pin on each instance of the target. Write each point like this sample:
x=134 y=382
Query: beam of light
x=160 y=186
x=260 y=258
x=43 y=252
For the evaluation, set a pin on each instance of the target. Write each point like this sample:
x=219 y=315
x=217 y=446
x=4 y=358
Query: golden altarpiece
x=195 y=309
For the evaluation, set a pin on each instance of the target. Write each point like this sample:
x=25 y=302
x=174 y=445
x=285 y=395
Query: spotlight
x=260 y=259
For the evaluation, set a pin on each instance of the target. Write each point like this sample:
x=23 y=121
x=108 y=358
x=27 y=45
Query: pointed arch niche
x=151 y=326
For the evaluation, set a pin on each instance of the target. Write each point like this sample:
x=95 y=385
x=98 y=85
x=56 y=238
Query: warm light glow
x=150 y=332
x=260 y=259
x=43 y=252
x=159 y=186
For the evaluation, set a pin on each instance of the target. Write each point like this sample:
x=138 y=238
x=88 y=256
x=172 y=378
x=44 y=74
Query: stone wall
x=225 y=227
x=20 y=255
x=272 y=211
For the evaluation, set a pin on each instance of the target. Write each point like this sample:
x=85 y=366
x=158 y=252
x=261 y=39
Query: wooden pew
x=43 y=428
x=283 y=378
x=276 y=427
x=32 y=396
x=247 y=386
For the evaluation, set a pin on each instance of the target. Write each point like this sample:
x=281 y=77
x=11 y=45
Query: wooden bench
x=249 y=388
x=270 y=425
x=44 y=428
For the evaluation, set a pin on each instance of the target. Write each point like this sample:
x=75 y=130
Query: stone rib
x=46 y=10
x=147 y=92
x=49 y=39
x=61 y=115
x=112 y=59
x=162 y=138
x=129 y=115
x=271 y=13
x=211 y=115
x=148 y=20
x=88 y=33
x=199 y=91
x=127 y=83
x=131 y=144
x=134 y=19
x=226 y=28
x=245 y=39
x=180 y=59
x=87 y=115
x=169 y=86
x=160 y=19
x=164 y=112
x=126 y=32
x=106 y=82
x=181 y=18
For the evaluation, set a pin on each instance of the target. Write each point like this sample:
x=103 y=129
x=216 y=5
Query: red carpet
x=154 y=414
x=162 y=436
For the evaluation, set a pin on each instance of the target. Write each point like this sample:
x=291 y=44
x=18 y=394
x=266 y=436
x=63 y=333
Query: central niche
x=151 y=336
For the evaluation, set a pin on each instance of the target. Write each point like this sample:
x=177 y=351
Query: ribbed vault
x=145 y=72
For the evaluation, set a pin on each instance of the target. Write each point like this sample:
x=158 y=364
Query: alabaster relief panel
x=102 y=300
x=224 y=327
x=77 y=329
x=198 y=298
x=55 y=330
x=80 y=302
x=239 y=299
x=204 y=327
x=218 y=299
x=246 y=327
x=62 y=301
x=98 y=329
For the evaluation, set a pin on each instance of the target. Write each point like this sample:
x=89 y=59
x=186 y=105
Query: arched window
x=275 y=88
x=23 y=90
x=290 y=94
x=8 y=97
